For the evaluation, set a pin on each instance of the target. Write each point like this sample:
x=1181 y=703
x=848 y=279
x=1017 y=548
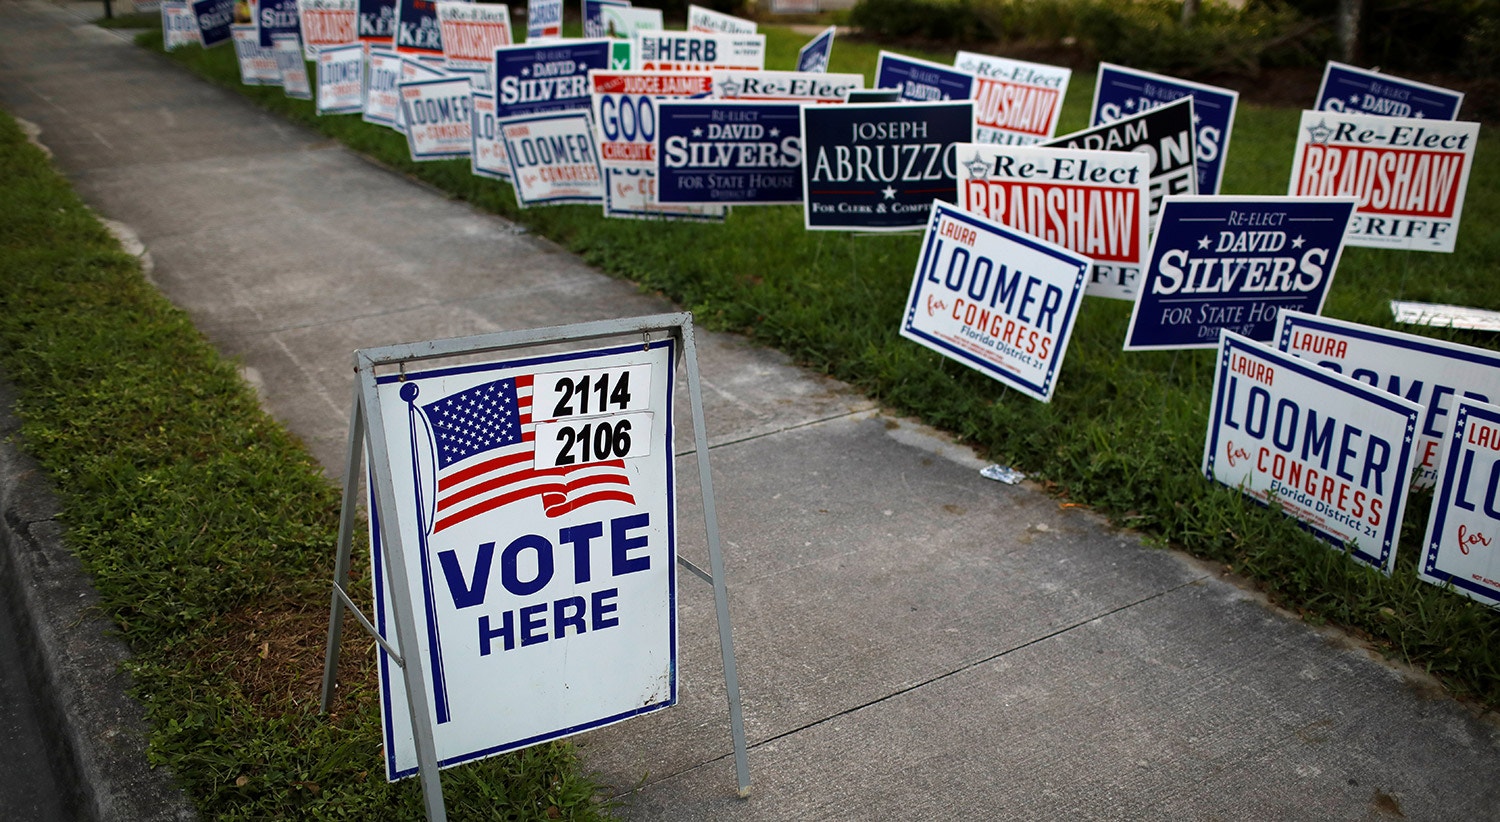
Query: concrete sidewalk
x=915 y=641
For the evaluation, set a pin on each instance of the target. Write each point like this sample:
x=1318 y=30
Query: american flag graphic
x=484 y=442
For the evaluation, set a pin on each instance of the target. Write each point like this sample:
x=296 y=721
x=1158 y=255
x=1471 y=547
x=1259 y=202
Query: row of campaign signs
x=1020 y=224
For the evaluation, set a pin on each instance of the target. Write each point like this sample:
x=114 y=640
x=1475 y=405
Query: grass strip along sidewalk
x=1124 y=432
x=209 y=532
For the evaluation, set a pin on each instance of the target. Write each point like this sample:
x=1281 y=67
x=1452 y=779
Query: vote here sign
x=1460 y=547
x=994 y=299
x=538 y=518
x=1093 y=202
x=1434 y=373
x=1331 y=451
x=1409 y=175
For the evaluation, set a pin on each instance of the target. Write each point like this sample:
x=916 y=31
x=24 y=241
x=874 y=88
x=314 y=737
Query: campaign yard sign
x=593 y=16
x=1015 y=102
x=552 y=158
x=784 y=86
x=1408 y=174
x=487 y=151
x=922 y=81
x=1439 y=315
x=1332 y=451
x=257 y=65
x=814 y=56
x=544 y=19
x=879 y=167
x=552 y=76
x=1091 y=202
x=537 y=506
x=289 y=59
x=1165 y=134
x=625 y=22
x=1459 y=549
x=471 y=31
x=625 y=122
x=377 y=23
x=179 y=26
x=1433 y=373
x=723 y=153
x=214 y=17
x=1353 y=90
x=1233 y=263
x=328 y=23
x=708 y=20
x=697 y=51
x=277 y=18
x=439 y=117
x=1120 y=92
x=382 y=97
x=994 y=299
x=417 y=32
x=341 y=79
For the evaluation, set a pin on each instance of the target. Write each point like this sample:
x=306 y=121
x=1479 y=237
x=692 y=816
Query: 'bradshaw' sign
x=1333 y=452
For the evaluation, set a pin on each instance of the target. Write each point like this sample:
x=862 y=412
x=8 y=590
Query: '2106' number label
x=592 y=416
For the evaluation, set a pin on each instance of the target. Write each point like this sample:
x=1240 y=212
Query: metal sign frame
x=366 y=416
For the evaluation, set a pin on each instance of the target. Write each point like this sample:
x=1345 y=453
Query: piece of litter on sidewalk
x=1003 y=473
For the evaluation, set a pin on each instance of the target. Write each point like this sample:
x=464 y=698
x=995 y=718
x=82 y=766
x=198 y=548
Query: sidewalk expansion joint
x=764 y=434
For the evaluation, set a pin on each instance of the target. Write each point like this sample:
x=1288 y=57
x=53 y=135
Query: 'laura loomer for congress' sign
x=487 y=151
x=1121 y=92
x=994 y=299
x=1434 y=373
x=552 y=158
x=1015 y=102
x=257 y=65
x=1409 y=175
x=1358 y=91
x=1332 y=451
x=1460 y=548
x=1093 y=202
x=1232 y=263
x=878 y=167
x=1165 y=134
x=723 y=153
x=341 y=72
x=538 y=526
x=439 y=118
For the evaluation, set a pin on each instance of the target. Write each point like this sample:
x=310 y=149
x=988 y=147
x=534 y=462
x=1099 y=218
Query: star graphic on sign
x=1298 y=242
x=1418 y=115
x=697 y=132
x=1204 y=243
x=976 y=166
x=775 y=132
x=1129 y=104
x=947 y=97
x=889 y=192
x=525 y=71
x=1353 y=99
x=730 y=88
x=1320 y=132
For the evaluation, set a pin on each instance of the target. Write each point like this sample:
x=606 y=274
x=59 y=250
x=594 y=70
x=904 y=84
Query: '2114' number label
x=592 y=416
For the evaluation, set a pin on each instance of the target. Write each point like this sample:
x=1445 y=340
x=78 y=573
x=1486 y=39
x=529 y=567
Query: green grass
x=209 y=532
x=1125 y=430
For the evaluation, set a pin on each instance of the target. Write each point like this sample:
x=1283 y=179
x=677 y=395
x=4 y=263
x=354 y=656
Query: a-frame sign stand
x=366 y=417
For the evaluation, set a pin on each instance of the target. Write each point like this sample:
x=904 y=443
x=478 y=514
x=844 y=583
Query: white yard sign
x=1460 y=549
x=537 y=506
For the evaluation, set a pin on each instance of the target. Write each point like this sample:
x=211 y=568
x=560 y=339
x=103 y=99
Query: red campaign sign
x=1094 y=220
x=1015 y=107
x=1386 y=180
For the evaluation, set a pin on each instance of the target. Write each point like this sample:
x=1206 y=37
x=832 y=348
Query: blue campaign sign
x=1233 y=263
x=878 y=167
x=593 y=16
x=544 y=19
x=214 y=19
x=814 y=55
x=1122 y=92
x=1354 y=90
x=531 y=79
x=1460 y=549
x=377 y=22
x=723 y=153
x=417 y=29
x=277 y=18
x=922 y=81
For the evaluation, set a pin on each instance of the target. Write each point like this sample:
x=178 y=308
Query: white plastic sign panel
x=487 y=152
x=382 y=95
x=708 y=20
x=1015 y=102
x=543 y=19
x=785 y=86
x=289 y=59
x=341 y=79
x=471 y=31
x=1233 y=263
x=1433 y=373
x=1165 y=134
x=1092 y=202
x=1330 y=450
x=1121 y=92
x=1408 y=174
x=1354 y=90
x=543 y=574
x=1439 y=315
x=625 y=22
x=257 y=65
x=1460 y=549
x=814 y=56
x=994 y=299
x=439 y=118
x=552 y=158
x=328 y=23
x=690 y=51
x=179 y=26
